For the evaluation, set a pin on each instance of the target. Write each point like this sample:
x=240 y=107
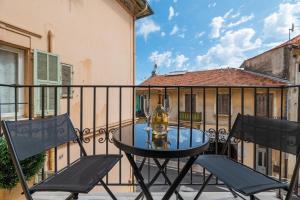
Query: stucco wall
x=270 y=63
x=97 y=38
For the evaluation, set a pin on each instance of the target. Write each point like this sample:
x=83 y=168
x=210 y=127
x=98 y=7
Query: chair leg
x=108 y=190
x=72 y=196
x=232 y=192
x=252 y=197
x=203 y=186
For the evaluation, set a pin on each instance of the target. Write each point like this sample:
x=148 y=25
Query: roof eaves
x=267 y=76
x=137 y=8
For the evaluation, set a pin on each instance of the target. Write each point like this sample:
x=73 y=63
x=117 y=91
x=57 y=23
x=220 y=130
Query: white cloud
x=216 y=24
x=180 y=61
x=163 y=34
x=163 y=59
x=230 y=51
x=174 y=30
x=166 y=59
x=147 y=26
x=175 y=1
x=212 y=5
x=219 y=24
x=280 y=21
x=242 y=20
x=171 y=13
x=181 y=35
x=199 y=35
x=228 y=14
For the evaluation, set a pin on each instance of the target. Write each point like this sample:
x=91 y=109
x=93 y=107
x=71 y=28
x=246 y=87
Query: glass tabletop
x=176 y=143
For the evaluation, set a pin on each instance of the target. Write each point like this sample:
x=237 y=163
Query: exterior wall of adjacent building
x=274 y=63
x=223 y=120
x=95 y=37
x=283 y=63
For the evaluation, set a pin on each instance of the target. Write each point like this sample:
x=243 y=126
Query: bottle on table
x=160 y=119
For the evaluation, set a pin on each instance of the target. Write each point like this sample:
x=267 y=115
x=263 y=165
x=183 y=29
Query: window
x=188 y=103
x=223 y=104
x=262 y=105
x=46 y=72
x=66 y=79
x=11 y=72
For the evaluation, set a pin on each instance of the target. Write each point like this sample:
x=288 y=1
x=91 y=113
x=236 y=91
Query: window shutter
x=46 y=72
x=66 y=76
x=223 y=104
x=262 y=105
x=188 y=102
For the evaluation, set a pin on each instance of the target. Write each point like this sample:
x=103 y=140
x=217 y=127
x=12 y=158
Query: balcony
x=99 y=110
x=186 y=116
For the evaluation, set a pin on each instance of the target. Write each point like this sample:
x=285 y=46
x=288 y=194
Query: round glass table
x=179 y=142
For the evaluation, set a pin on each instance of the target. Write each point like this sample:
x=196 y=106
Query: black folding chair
x=275 y=134
x=31 y=137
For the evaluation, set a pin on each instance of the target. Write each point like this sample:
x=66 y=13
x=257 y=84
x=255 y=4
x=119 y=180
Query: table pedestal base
x=162 y=167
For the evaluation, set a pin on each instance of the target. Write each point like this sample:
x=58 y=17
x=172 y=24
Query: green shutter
x=46 y=71
x=66 y=78
x=138 y=103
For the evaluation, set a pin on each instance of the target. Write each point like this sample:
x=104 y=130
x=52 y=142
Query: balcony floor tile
x=156 y=195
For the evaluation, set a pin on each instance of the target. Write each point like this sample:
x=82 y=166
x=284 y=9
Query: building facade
x=213 y=105
x=68 y=43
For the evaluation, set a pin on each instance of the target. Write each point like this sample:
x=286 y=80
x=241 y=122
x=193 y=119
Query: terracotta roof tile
x=217 y=77
x=294 y=41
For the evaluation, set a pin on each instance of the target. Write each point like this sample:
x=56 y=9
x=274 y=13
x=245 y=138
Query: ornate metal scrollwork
x=101 y=132
x=222 y=136
x=106 y=136
x=82 y=136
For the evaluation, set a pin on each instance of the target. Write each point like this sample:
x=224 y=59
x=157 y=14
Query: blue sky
x=207 y=34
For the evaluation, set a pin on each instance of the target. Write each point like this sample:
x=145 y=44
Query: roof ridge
x=274 y=48
x=266 y=76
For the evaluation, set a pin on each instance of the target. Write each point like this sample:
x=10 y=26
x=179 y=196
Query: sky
x=197 y=35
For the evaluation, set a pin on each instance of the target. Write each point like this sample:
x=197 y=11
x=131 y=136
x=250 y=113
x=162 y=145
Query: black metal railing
x=100 y=110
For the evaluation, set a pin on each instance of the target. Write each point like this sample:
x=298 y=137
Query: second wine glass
x=147 y=112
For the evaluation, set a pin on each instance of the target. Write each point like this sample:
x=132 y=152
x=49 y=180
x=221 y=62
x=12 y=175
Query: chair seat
x=238 y=176
x=81 y=176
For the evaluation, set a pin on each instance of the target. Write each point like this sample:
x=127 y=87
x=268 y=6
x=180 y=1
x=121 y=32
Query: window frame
x=37 y=109
x=271 y=104
x=216 y=104
x=19 y=76
x=194 y=103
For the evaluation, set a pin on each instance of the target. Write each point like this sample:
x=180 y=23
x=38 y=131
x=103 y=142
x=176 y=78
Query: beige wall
x=96 y=37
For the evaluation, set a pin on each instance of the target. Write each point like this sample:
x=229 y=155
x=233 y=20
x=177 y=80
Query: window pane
x=53 y=68
x=41 y=66
x=8 y=75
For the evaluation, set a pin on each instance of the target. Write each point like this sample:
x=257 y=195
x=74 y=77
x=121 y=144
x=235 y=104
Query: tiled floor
x=157 y=196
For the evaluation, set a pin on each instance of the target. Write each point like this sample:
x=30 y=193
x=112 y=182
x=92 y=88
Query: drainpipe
x=51 y=154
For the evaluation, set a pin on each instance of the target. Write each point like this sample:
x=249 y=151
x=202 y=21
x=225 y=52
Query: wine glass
x=147 y=112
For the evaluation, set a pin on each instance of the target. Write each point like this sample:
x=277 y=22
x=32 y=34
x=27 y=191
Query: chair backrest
x=31 y=137
x=276 y=134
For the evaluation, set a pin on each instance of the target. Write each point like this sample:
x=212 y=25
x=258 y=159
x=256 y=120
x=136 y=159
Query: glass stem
x=148 y=122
